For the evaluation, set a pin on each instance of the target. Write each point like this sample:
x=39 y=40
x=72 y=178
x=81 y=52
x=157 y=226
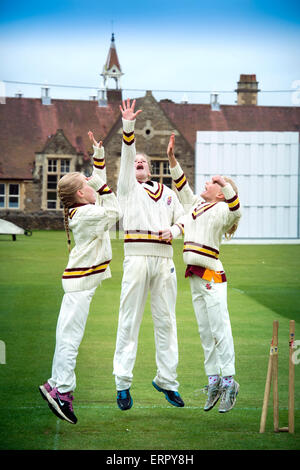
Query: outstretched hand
x=170 y=151
x=128 y=110
x=92 y=139
x=219 y=180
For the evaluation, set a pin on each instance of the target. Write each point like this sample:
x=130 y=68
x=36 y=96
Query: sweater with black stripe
x=205 y=223
x=89 y=260
x=148 y=207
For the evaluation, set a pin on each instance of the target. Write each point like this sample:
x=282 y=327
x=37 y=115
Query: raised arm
x=170 y=152
x=127 y=179
x=110 y=212
x=98 y=157
x=185 y=194
x=233 y=212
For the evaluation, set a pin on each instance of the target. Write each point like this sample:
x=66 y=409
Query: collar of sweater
x=79 y=204
x=146 y=182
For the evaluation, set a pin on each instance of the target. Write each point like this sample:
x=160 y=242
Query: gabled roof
x=190 y=118
x=26 y=125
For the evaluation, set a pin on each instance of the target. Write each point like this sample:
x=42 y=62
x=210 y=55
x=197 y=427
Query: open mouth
x=139 y=166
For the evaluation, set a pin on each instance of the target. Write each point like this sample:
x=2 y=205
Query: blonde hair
x=229 y=234
x=67 y=187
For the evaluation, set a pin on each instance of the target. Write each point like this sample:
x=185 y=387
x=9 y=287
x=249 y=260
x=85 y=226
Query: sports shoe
x=228 y=397
x=61 y=405
x=173 y=397
x=213 y=394
x=124 y=399
x=44 y=389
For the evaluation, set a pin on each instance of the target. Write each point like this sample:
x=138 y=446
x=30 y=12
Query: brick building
x=42 y=139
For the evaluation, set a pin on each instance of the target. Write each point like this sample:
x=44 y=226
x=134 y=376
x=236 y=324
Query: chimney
x=46 y=99
x=19 y=94
x=102 y=98
x=214 y=103
x=247 y=90
x=184 y=99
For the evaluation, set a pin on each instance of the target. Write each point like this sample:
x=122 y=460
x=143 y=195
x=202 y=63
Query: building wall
x=152 y=133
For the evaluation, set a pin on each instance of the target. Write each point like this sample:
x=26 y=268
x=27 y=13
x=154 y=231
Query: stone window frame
x=163 y=172
x=56 y=172
x=7 y=195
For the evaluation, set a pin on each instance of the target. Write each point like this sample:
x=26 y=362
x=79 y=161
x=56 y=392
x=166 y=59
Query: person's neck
x=211 y=201
x=142 y=180
x=78 y=204
x=82 y=201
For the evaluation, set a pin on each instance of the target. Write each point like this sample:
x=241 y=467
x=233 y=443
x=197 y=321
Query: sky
x=181 y=50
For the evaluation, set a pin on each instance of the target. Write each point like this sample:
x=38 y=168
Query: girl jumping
x=211 y=215
x=90 y=209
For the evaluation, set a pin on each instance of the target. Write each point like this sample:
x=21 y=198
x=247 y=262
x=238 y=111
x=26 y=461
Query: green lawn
x=263 y=285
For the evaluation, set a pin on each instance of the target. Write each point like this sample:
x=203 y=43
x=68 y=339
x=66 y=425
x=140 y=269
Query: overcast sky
x=186 y=45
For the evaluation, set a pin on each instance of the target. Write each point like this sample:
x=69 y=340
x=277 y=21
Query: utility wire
x=137 y=89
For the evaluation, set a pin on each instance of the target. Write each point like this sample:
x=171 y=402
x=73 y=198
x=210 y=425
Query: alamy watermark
x=2 y=352
x=296 y=353
x=295 y=96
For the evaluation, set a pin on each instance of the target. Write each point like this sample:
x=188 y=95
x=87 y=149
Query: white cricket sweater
x=89 y=260
x=204 y=223
x=148 y=208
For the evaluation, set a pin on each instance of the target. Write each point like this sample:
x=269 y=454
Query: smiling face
x=212 y=192
x=142 y=170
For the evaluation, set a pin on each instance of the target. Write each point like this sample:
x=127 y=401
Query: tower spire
x=112 y=68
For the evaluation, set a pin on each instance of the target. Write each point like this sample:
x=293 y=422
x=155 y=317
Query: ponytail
x=229 y=234
x=67 y=229
x=67 y=187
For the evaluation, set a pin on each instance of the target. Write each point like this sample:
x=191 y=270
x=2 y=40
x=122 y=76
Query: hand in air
x=170 y=151
x=92 y=139
x=219 y=180
x=128 y=110
x=171 y=146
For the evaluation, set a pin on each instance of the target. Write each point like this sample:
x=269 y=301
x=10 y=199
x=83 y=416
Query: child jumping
x=90 y=209
x=150 y=209
x=204 y=225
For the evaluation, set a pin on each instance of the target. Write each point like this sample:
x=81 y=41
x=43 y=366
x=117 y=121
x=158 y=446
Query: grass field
x=263 y=286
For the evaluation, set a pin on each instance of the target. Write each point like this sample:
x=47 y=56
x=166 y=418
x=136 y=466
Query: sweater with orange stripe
x=148 y=207
x=205 y=223
x=89 y=260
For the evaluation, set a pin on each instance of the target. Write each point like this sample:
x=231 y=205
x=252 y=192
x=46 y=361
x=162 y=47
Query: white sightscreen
x=265 y=167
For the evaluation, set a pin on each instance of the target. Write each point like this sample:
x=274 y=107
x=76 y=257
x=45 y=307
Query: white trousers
x=210 y=305
x=70 y=328
x=157 y=275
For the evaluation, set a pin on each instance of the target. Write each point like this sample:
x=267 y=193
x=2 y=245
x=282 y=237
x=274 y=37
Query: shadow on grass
x=282 y=300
